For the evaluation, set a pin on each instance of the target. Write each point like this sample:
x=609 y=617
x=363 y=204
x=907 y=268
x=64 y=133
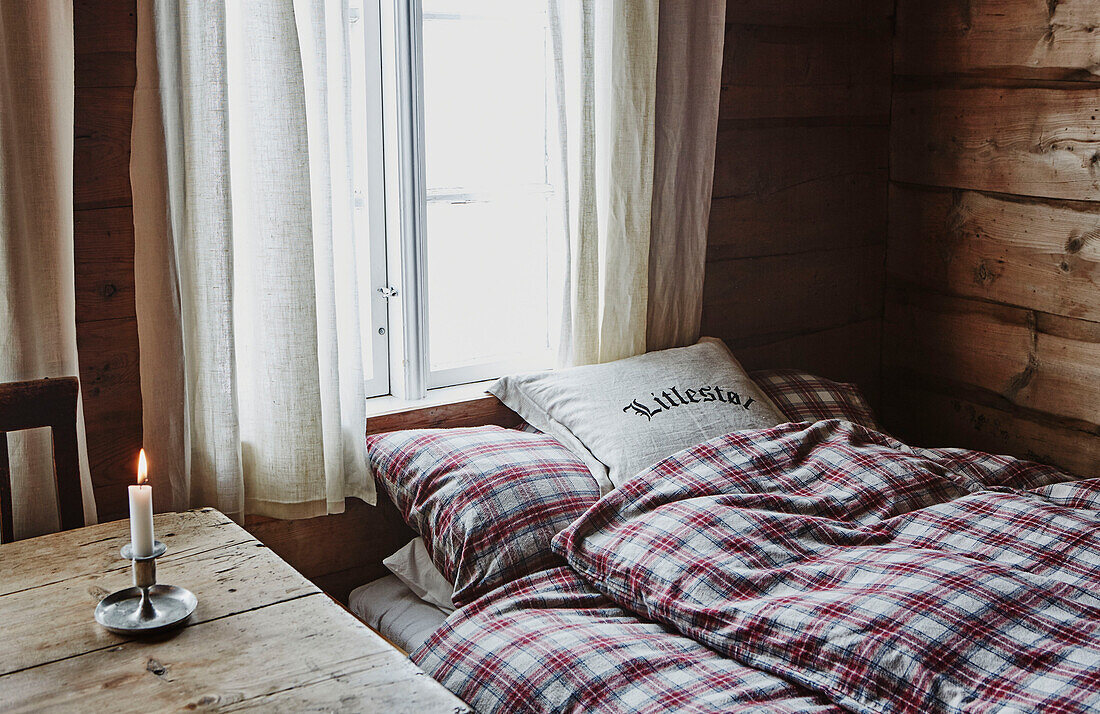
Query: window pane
x=484 y=102
x=487 y=282
x=486 y=65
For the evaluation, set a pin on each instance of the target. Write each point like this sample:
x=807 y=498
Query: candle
x=141 y=512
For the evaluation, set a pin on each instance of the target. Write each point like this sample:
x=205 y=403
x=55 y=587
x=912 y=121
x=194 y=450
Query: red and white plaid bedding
x=802 y=396
x=549 y=642
x=887 y=578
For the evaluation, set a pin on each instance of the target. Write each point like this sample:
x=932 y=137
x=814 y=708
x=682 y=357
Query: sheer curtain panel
x=690 y=44
x=249 y=315
x=37 y=292
x=637 y=85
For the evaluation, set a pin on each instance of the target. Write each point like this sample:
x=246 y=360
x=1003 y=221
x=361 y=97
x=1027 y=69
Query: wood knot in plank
x=156 y=667
x=215 y=701
x=984 y=275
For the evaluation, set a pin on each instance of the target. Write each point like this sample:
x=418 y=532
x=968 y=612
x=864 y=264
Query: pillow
x=486 y=500
x=802 y=396
x=413 y=566
x=622 y=417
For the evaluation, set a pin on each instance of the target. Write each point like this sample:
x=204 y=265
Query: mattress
x=390 y=607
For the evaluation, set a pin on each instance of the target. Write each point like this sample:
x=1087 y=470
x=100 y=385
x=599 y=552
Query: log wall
x=105 y=34
x=796 y=244
x=992 y=317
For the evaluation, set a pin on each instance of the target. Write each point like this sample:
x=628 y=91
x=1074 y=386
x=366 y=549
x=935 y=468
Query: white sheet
x=389 y=606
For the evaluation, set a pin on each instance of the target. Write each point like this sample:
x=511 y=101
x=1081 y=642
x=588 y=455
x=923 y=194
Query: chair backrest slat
x=43 y=403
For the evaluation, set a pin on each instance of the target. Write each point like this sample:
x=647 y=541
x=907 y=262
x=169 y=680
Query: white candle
x=141 y=512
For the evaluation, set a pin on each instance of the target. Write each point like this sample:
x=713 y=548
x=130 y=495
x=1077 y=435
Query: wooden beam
x=1033 y=253
x=1037 y=361
x=802 y=292
x=104 y=257
x=105 y=42
x=1028 y=39
x=111 y=390
x=809 y=13
x=1033 y=141
x=819 y=71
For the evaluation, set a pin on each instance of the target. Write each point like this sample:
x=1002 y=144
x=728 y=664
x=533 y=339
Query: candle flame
x=143 y=468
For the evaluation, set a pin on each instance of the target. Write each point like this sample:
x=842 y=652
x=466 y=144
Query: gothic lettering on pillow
x=673 y=397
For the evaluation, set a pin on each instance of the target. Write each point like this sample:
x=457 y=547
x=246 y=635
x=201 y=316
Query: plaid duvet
x=886 y=578
x=550 y=642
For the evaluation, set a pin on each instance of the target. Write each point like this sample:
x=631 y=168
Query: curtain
x=637 y=85
x=690 y=44
x=37 y=292
x=249 y=315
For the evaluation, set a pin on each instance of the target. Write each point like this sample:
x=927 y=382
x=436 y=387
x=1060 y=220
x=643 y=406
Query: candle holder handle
x=146 y=607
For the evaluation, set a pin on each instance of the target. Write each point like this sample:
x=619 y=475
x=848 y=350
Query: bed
x=814 y=565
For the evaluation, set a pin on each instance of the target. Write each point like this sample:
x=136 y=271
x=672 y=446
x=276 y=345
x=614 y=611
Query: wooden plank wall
x=796 y=244
x=105 y=33
x=992 y=319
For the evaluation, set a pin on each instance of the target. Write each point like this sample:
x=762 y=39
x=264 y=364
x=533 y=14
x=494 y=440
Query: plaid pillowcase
x=486 y=500
x=802 y=396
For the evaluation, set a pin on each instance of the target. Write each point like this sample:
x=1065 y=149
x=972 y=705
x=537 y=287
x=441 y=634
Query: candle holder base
x=146 y=607
x=144 y=611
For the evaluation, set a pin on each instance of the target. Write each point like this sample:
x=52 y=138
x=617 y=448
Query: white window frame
x=396 y=198
x=371 y=210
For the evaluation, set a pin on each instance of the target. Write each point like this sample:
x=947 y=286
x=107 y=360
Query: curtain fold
x=37 y=290
x=248 y=312
x=637 y=84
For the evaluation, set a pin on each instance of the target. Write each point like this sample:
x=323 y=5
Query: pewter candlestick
x=146 y=607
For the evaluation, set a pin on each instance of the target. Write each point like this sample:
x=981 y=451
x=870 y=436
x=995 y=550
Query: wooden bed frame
x=343 y=551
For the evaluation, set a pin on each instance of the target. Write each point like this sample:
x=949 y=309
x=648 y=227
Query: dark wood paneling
x=809 y=13
x=798 y=221
x=791 y=294
x=1032 y=141
x=101 y=151
x=833 y=195
x=104 y=42
x=838 y=71
x=104 y=243
x=1031 y=39
x=338 y=552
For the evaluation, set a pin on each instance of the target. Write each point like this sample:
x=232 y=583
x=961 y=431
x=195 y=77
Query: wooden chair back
x=42 y=403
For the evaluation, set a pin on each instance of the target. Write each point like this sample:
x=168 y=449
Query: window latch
x=388 y=291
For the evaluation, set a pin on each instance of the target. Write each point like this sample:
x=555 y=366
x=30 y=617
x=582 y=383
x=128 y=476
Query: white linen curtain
x=637 y=86
x=248 y=309
x=689 y=82
x=37 y=292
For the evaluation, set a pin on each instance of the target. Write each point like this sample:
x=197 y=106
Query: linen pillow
x=802 y=396
x=624 y=416
x=413 y=565
x=487 y=500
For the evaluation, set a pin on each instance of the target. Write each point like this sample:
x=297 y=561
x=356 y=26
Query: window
x=457 y=208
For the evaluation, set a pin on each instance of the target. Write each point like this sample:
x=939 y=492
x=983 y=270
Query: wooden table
x=263 y=637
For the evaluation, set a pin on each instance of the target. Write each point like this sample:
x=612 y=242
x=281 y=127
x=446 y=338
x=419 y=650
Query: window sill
x=440 y=396
x=444 y=408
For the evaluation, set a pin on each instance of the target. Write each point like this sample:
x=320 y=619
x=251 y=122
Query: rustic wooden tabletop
x=262 y=636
